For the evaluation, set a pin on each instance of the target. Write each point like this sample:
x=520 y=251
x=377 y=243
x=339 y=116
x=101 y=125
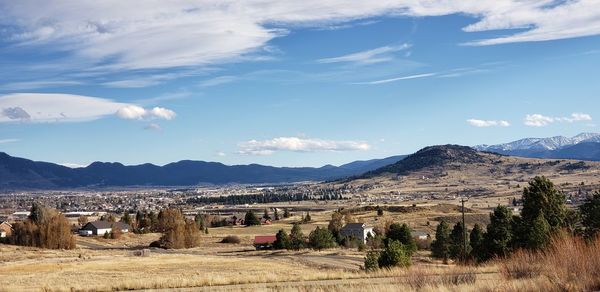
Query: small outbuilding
x=264 y=241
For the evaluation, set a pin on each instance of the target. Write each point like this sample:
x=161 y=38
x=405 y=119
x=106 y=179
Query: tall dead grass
x=567 y=264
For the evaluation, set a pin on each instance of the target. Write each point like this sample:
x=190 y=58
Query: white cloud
x=57 y=107
x=221 y=153
x=416 y=76
x=487 y=123
x=163 y=34
x=296 y=144
x=538 y=120
x=10 y=140
x=576 y=117
x=134 y=112
x=377 y=55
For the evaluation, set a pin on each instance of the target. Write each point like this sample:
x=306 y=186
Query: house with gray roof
x=357 y=230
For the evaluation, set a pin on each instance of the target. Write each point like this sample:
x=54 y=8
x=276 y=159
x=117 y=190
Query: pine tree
x=476 y=243
x=539 y=233
x=402 y=233
x=250 y=219
x=321 y=238
x=126 y=218
x=542 y=196
x=282 y=240
x=499 y=233
x=296 y=237
x=441 y=245
x=590 y=216
x=457 y=242
x=379 y=211
x=307 y=218
x=286 y=213
x=276 y=215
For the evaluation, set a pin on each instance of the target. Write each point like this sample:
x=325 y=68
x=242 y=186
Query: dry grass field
x=99 y=264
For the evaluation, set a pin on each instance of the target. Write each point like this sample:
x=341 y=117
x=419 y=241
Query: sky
x=290 y=83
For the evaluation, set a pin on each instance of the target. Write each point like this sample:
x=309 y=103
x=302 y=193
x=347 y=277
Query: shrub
x=372 y=261
x=321 y=238
x=394 y=255
x=231 y=239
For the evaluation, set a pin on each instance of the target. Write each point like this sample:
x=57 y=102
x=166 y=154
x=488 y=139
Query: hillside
x=20 y=173
x=452 y=170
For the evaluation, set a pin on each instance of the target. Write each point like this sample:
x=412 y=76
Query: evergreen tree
x=457 y=242
x=250 y=219
x=394 y=255
x=402 y=233
x=296 y=238
x=539 y=233
x=440 y=247
x=476 y=243
x=275 y=214
x=282 y=240
x=542 y=196
x=590 y=215
x=499 y=233
x=372 y=261
x=321 y=238
x=286 y=213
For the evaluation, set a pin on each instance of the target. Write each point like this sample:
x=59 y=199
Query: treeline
x=543 y=216
x=262 y=198
x=45 y=228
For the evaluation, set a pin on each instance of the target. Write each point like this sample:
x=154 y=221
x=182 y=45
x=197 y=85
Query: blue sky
x=288 y=83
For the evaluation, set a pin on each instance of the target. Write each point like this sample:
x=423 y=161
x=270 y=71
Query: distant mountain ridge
x=20 y=173
x=585 y=146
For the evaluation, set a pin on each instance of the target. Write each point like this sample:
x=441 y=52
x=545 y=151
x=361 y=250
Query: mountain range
x=585 y=146
x=20 y=173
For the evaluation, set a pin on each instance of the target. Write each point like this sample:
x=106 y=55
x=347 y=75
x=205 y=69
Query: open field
x=99 y=264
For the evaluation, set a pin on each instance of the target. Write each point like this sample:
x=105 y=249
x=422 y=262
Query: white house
x=102 y=227
x=357 y=230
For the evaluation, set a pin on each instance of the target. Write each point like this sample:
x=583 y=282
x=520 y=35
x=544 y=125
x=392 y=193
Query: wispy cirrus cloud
x=388 y=80
x=539 y=120
x=57 y=107
x=9 y=140
x=487 y=123
x=298 y=144
x=131 y=35
x=377 y=55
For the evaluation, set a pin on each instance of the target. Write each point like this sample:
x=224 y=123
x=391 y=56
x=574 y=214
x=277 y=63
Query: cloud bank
x=297 y=144
x=57 y=107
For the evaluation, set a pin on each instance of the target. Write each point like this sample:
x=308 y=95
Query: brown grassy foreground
x=568 y=265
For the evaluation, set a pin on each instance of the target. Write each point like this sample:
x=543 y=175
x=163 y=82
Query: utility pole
x=462 y=200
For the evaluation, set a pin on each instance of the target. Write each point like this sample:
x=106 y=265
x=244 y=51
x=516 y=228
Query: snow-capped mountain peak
x=552 y=143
